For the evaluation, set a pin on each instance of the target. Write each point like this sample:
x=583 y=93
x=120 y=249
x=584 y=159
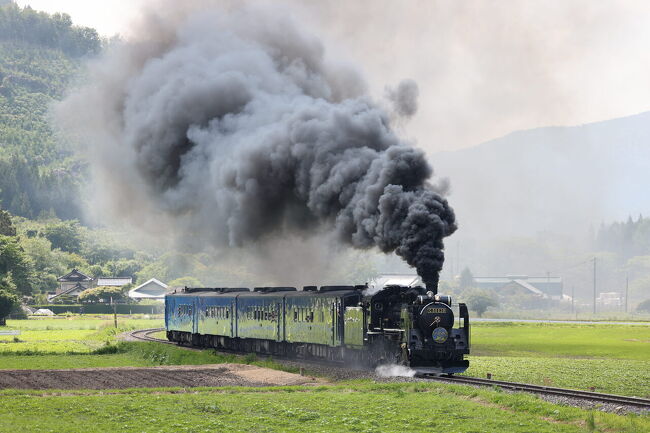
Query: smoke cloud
x=404 y=98
x=231 y=127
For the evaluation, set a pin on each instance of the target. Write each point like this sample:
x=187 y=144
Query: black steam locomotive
x=397 y=325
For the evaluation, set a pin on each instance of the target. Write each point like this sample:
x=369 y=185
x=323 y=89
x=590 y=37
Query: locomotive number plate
x=434 y=310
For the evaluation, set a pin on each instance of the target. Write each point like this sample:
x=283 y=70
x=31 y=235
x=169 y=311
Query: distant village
x=536 y=288
x=74 y=283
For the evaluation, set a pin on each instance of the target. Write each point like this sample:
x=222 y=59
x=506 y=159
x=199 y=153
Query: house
x=74 y=279
x=542 y=287
x=73 y=283
x=113 y=281
x=68 y=296
x=152 y=289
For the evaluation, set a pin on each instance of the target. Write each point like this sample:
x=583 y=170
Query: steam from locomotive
x=237 y=126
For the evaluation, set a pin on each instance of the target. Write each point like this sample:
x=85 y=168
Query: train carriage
x=402 y=325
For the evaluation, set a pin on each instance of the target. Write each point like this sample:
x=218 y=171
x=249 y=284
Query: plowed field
x=151 y=377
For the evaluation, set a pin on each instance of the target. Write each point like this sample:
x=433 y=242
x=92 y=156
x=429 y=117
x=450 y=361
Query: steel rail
x=548 y=390
x=144 y=335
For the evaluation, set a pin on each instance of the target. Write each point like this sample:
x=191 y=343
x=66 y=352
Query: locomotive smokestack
x=234 y=126
x=432 y=285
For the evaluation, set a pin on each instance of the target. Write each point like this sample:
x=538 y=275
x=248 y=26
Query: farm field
x=354 y=407
x=361 y=405
x=67 y=335
x=611 y=358
x=82 y=342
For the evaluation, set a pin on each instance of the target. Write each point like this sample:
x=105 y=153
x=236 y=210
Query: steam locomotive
x=397 y=325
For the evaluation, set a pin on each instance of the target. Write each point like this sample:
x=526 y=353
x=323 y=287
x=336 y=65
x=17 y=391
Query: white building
x=152 y=289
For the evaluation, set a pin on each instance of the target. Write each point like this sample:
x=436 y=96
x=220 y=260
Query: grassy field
x=611 y=358
x=354 y=407
x=67 y=335
x=559 y=339
x=82 y=342
x=530 y=352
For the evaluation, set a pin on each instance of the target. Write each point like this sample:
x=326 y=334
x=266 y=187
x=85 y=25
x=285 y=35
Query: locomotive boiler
x=398 y=325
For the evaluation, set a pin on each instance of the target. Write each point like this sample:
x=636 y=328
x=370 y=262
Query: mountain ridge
x=558 y=178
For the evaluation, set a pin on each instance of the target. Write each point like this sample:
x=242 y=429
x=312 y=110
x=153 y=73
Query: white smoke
x=393 y=370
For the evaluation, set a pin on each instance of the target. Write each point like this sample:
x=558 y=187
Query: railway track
x=547 y=390
x=145 y=335
x=643 y=403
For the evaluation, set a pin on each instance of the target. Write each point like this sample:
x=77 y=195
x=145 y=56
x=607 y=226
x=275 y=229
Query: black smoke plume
x=236 y=127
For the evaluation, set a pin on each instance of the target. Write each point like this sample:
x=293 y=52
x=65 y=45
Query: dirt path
x=151 y=377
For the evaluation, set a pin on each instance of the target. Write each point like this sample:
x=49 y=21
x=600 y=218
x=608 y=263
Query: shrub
x=644 y=307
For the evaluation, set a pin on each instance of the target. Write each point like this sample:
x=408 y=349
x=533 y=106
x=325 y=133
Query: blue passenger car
x=339 y=323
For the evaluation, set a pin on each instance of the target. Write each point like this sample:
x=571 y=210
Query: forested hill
x=39 y=55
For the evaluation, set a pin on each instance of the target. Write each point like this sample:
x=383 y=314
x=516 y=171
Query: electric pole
x=627 y=289
x=573 y=299
x=594 y=285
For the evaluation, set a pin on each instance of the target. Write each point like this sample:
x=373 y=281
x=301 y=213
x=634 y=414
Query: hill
x=39 y=55
x=562 y=180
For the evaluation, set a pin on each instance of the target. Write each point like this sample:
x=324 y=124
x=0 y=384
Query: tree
x=6 y=227
x=644 y=307
x=14 y=261
x=466 y=279
x=185 y=282
x=101 y=294
x=8 y=302
x=480 y=300
x=64 y=235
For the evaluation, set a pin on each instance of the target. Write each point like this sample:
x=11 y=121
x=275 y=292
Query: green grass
x=357 y=407
x=78 y=342
x=611 y=358
x=135 y=354
x=66 y=335
x=553 y=339
x=626 y=377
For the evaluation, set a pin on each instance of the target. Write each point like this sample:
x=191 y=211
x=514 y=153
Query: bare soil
x=152 y=377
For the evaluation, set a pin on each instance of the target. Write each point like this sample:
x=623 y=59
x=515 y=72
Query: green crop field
x=71 y=335
x=610 y=358
x=77 y=342
x=560 y=339
x=529 y=352
x=355 y=407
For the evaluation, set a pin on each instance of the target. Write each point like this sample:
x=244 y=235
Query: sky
x=484 y=68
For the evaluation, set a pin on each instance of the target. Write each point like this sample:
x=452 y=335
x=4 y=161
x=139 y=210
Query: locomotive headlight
x=439 y=335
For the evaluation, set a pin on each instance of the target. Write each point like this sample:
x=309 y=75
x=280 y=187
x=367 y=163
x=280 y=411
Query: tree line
x=53 y=31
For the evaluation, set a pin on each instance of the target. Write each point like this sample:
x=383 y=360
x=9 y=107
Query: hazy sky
x=484 y=68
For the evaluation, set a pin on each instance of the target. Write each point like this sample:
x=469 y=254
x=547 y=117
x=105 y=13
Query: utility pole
x=573 y=299
x=114 y=312
x=594 y=285
x=627 y=289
